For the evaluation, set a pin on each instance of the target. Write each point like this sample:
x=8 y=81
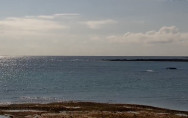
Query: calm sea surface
x=52 y=79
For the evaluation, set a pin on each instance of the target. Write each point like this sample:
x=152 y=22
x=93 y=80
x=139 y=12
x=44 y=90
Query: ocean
x=44 y=79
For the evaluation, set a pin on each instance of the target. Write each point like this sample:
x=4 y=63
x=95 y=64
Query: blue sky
x=94 y=27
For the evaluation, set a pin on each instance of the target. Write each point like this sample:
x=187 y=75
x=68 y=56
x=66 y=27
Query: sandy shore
x=87 y=110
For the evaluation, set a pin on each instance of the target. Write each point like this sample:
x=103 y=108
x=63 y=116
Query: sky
x=94 y=27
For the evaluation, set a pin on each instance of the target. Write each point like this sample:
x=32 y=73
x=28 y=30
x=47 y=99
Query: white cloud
x=29 y=25
x=62 y=34
x=46 y=16
x=67 y=14
x=163 y=35
x=32 y=35
x=97 y=24
x=58 y=15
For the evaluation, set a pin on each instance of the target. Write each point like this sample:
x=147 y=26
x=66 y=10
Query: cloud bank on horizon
x=76 y=33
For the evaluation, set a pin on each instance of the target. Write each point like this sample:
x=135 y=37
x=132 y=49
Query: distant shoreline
x=87 y=109
x=161 y=60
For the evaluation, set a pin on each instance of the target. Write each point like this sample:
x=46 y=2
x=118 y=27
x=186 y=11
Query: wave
x=37 y=99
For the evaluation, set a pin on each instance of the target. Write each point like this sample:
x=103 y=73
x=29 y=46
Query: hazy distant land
x=165 y=60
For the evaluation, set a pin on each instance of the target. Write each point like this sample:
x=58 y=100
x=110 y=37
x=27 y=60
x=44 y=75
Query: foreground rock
x=88 y=110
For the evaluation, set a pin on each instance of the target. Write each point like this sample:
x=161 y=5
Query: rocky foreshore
x=87 y=110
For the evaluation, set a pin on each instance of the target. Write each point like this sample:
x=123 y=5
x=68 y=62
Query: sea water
x=64 y=78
